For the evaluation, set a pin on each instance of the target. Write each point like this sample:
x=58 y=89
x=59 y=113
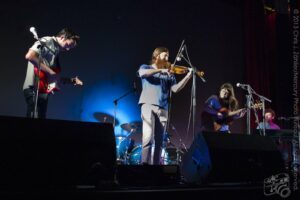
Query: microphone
x=179 y=57
x=241 y=85
x=33 y=31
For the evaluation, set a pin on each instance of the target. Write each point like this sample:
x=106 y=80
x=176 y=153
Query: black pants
x=42 y=103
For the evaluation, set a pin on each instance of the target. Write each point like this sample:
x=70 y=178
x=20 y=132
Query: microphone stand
x=193 y=89
x=250 y=103
x=248 y=120
x=179 y=54
x=116 y=103
x=262 y=99
x=35 y=111
x=43 y=44
x=170 y=97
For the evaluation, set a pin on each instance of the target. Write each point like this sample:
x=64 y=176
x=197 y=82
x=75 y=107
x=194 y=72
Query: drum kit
x=129 y=152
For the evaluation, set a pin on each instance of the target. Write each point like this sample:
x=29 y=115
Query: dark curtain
x=260 y=50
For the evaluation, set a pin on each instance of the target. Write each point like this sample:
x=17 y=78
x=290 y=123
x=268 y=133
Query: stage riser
x=148 y=175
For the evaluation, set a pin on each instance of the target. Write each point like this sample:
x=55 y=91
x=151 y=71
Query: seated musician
x=220 y=110
x=269 y=121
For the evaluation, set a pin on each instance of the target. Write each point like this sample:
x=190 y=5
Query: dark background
x=116 y=38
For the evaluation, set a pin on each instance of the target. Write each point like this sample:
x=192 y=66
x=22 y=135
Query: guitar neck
x=230 y=114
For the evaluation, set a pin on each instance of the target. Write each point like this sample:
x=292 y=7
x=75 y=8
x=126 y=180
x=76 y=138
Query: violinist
x=220 y=110
x=157 y=81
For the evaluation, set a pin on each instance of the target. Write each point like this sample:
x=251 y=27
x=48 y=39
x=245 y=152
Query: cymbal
x=105 y=118
x=134 y=127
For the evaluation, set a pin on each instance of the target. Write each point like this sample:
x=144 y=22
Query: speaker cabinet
x=216 y=157
x=38 y=153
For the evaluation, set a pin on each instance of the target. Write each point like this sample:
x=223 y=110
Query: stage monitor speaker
x=231 y=158
x=45 y=154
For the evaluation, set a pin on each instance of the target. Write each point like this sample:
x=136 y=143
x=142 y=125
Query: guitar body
x=47 y=84
x=229 y=116
x=226 y=120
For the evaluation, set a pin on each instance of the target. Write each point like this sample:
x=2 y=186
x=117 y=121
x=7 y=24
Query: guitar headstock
x=257 y=105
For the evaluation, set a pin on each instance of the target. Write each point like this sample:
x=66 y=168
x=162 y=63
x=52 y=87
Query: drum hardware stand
x=126 y=156
x=181 y=144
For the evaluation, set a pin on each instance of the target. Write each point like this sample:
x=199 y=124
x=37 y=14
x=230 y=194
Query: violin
x=176 y=69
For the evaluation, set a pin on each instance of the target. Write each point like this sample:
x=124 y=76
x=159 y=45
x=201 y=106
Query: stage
x=57 y=158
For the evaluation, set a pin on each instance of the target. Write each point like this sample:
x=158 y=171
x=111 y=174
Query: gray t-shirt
x=156 y=88
x=48 y=54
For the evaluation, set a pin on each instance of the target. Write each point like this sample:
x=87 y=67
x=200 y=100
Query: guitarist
x=45 y=53
x=220 y=110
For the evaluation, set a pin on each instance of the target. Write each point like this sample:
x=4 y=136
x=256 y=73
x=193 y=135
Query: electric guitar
x=229 y=115
x=47 y=83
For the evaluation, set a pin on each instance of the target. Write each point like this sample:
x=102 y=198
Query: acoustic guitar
x=229 y=116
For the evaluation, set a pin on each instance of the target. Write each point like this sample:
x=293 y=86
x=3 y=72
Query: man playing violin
x=219 y=111
x=158 y=80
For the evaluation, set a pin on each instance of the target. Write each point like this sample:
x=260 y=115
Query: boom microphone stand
x=119 y=98
x=200 y=74
x=263 y=99
x=178 y=57
x=170 y=97
x=250 y=103
x=35 y=36
x=42 y=46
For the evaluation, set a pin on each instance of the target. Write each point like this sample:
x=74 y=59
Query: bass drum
x=123 y=146
x=135 y=157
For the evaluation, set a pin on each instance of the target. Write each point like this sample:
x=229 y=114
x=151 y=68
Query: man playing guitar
x=44 y=53
x=219 y=111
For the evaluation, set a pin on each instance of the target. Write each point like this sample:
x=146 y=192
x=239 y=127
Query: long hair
x=156 y=52
x=231 y=101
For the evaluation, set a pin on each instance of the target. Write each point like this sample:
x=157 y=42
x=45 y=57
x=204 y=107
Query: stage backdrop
x=116 y=38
